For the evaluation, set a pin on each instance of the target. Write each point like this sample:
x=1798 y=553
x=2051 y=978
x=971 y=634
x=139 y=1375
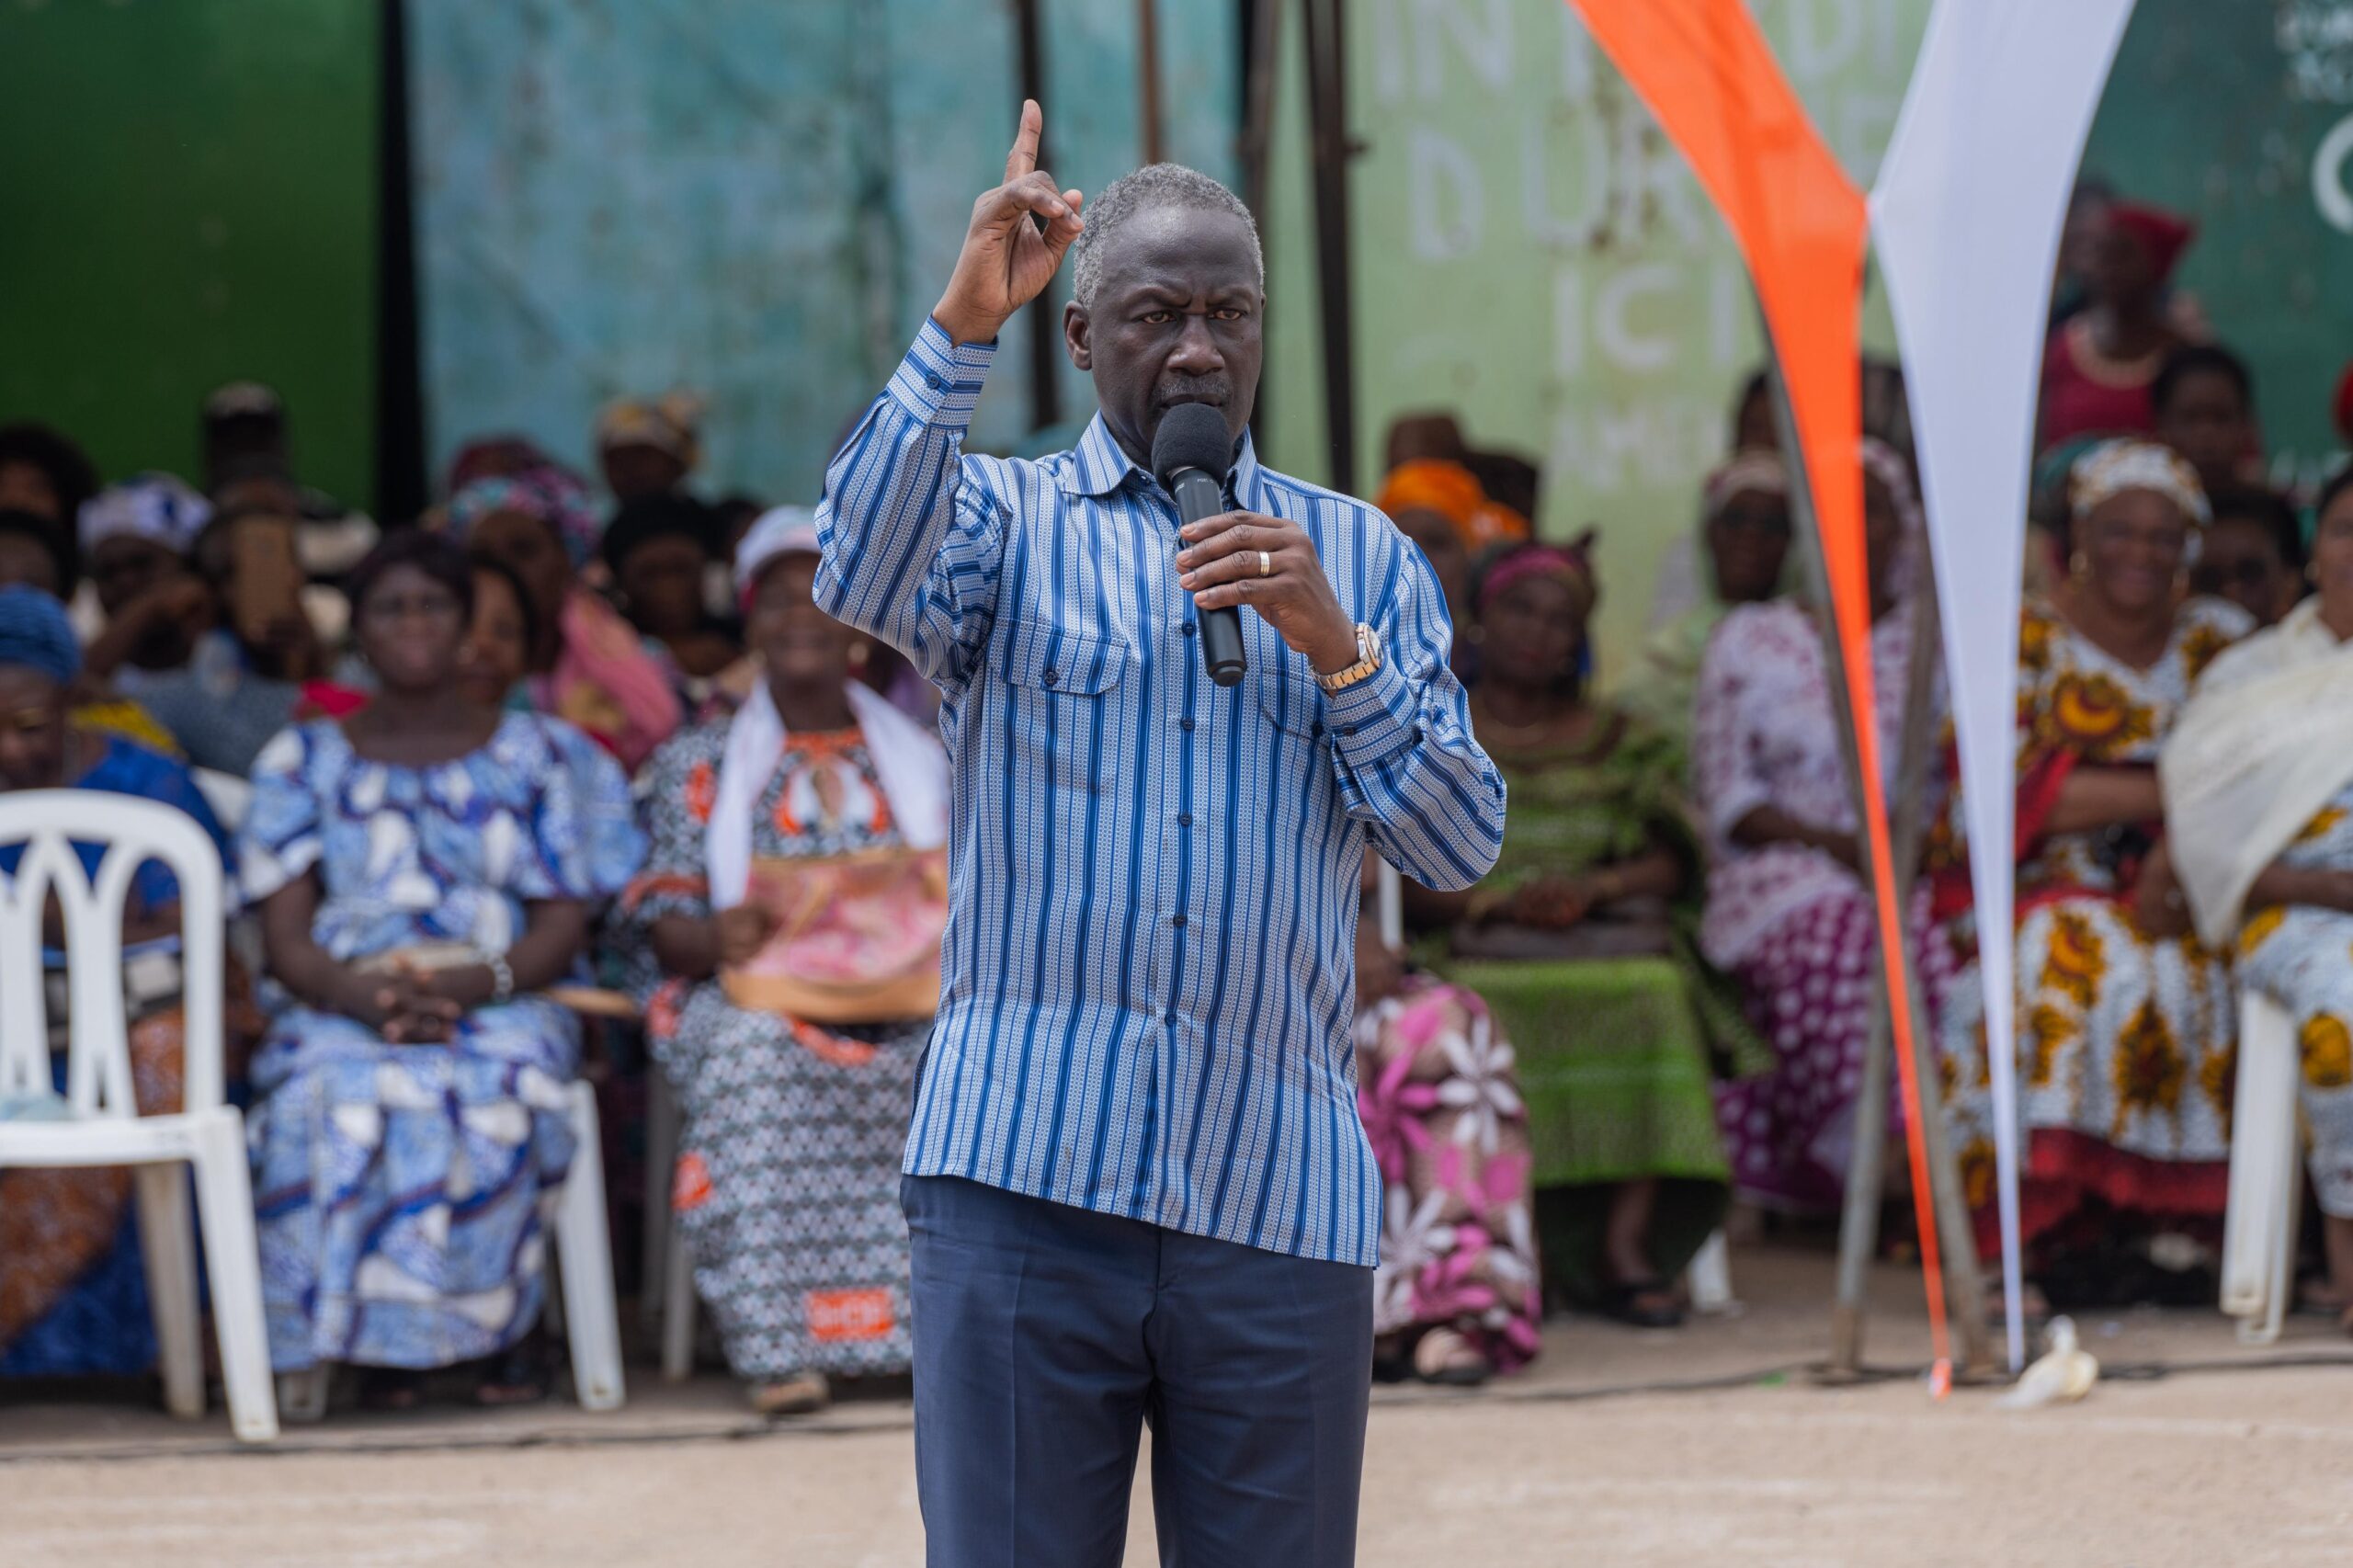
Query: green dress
x=1617 y=1056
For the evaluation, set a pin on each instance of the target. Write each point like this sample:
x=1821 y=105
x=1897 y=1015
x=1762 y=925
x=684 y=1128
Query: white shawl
x=2266 y=742
x=908 y=761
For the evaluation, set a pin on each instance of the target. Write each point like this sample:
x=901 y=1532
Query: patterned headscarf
x=154 y=506
x=547 y=493
x=1571 y=564
x=671 y=423
x=36 y=635
x=1454 y=492
x=2112 y=467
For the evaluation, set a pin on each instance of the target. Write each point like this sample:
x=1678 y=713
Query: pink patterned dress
x=1442 y=1109
x=1795 y=926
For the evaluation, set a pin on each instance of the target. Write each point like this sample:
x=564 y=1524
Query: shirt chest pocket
x=1065 y=716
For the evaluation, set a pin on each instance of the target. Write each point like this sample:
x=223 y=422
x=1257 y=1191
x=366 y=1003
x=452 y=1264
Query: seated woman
x=659 y=549
x=1744 y=534
x=2259 y=785
x=1580 y=942
x=2125 y=1019
x=588 y=666
x=1459 y=1296
x=787 y=1192
x=72 y=1292
x=421 y=866
x=1788 y=911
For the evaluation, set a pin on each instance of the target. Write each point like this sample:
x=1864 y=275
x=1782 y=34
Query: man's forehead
x=1184 y=248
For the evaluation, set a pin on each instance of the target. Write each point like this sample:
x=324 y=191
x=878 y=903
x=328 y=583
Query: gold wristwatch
x=1368 y=661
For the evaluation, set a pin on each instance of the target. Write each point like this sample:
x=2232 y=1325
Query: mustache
x=1174 y=390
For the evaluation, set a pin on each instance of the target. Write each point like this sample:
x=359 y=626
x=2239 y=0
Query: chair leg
x=303 y=1396
x=167 y=1244
x=232 y=1259
x=660 y=1160
x=584 y=1253
x=678 y=1304
x=1712 y=1277
x=2260 y=1219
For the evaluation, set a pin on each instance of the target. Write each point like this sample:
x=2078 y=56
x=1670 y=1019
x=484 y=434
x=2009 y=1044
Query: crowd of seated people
x=438 y=737
x=1652 y=1016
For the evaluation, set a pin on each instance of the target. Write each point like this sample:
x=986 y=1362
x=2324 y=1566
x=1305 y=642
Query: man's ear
x=1078 y=335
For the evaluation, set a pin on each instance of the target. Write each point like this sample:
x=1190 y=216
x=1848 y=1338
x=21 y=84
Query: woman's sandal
x=518 y=1377
x=1643 y=1303
x=392 y=1390
x=804 y=1394
x=1443 y=1357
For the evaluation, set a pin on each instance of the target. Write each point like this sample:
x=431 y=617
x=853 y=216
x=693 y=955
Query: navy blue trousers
x=1046 y=1335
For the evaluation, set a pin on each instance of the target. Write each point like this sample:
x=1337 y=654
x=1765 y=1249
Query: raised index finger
x=1024 y=156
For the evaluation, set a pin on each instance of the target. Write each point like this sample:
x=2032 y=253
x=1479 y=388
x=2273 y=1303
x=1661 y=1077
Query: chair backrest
x=131 y=832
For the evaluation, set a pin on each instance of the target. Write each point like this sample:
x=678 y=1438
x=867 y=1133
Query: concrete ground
x=1711 y=1444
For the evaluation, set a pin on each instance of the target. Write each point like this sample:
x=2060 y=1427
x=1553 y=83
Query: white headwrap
x=153 y=506
x=909 y=762
x=2114 y=467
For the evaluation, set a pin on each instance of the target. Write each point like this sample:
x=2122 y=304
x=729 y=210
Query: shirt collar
x=1099 y=466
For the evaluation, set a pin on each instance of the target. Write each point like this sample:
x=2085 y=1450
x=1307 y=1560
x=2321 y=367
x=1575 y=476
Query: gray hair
x=1155 y=186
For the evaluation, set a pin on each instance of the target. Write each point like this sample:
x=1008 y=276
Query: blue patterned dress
x=404 y=1190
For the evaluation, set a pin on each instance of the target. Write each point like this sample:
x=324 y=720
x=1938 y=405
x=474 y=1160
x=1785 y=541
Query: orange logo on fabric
x=702 y=791
x=690 y=1188
x=837 y=1315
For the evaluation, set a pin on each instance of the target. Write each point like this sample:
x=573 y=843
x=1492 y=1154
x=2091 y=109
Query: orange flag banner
x=1710 y=77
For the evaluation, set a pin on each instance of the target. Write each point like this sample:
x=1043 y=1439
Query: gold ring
x=1265 y=564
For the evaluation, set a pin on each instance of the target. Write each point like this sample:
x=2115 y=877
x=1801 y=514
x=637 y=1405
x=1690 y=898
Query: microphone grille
x=1191 y=435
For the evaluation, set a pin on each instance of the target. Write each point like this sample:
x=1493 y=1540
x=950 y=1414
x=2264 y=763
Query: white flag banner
x=1967 y=217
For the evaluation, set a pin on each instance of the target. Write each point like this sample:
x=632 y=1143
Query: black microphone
x=1190 y=456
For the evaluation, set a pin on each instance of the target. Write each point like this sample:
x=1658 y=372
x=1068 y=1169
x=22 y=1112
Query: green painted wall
x=1532 y=255
x=187 y=196
x=2240 y=116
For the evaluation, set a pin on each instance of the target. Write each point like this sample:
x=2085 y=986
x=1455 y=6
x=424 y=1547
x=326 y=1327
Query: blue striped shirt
x=1148 y=978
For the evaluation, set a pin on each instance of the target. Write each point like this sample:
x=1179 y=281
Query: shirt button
x=1054 y=678
x=1169 y=1018
x=932 y=382
x=1187 y=628
x=1178 y=922
x=1186 y=725
x=1184 y=819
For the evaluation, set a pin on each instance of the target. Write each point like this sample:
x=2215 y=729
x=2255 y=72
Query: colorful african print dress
x=2302 y=958
x=1617 y=1056
x=2125 y=1040
x=788 y=1180
x=405 y=1191
x=1796 y=927
x=1442 y=1109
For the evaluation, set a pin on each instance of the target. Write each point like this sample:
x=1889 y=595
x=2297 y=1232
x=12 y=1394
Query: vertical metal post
x=1148 y=80
x=1327 y=109
x=1045 y=316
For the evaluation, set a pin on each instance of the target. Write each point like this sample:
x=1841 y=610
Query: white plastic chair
x=1711 y=1278
x=2266 y=1174
x=669 y=1262
x=101 y=1124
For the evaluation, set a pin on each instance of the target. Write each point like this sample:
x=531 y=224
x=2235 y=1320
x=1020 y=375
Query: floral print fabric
x=2125 y=1040
x=1443 y=1110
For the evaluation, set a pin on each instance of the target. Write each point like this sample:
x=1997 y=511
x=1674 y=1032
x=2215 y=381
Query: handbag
x=856 y=936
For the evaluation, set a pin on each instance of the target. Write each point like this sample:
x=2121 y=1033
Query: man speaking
x=1136 y=1182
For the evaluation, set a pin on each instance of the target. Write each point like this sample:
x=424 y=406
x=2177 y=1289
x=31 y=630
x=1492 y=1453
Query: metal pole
x=1328 y=110
x=1858 y=1225
x=1148 y=78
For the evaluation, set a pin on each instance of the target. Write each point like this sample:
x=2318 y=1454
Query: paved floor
x=2232 y=1458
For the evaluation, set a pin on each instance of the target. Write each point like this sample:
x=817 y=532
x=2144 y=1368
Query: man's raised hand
x=1007 y=259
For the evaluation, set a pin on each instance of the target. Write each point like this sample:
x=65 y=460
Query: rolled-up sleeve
x=911 y=546
x=1409 y=769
